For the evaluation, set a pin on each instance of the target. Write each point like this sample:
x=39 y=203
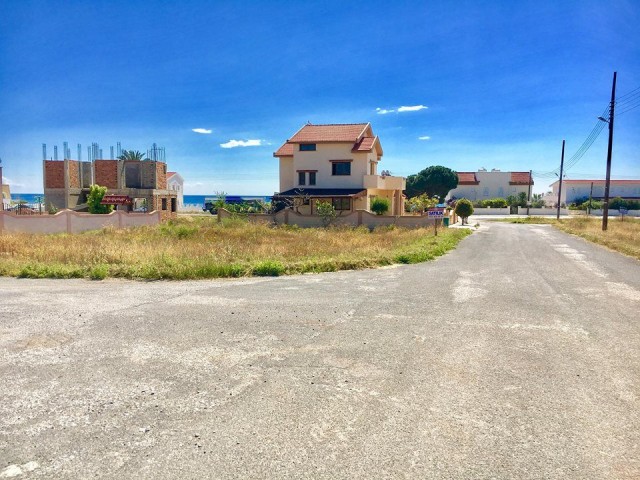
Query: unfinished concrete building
x=133 y=185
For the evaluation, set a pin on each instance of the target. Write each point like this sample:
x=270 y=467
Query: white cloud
x=241 y=143
x=11 y=183
x=425 y=137
x=414 y=108
x=201 y=130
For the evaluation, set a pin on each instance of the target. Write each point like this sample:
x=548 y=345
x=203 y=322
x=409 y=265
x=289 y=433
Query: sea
x=32 y=198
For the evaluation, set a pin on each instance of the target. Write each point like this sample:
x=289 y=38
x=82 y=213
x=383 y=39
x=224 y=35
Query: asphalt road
x=514 y=357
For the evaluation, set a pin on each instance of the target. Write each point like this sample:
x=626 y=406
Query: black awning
x=322 y=192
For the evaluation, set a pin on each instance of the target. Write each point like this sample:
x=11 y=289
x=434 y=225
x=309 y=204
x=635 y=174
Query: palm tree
x=132 y=155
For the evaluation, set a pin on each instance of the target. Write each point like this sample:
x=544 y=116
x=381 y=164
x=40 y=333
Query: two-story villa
x=336 y=163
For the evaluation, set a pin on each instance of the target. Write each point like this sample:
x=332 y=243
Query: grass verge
x=195 y=248
x=621 y=236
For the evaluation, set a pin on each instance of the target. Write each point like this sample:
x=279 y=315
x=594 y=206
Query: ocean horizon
x=31 y=198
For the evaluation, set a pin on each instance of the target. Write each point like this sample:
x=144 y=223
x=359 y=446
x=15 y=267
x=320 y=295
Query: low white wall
x=359 y=217
x=615 y=213
x=542 y=211
x=68 y=221
x=491 y=211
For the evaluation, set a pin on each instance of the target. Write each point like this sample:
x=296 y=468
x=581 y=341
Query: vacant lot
x=192 y=248
x=622 y=236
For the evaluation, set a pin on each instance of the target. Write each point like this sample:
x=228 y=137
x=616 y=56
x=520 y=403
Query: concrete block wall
x=354 y=218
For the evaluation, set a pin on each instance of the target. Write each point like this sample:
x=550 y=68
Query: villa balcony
x=384 y=182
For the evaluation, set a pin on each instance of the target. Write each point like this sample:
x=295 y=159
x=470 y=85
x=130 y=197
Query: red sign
x=116 y=200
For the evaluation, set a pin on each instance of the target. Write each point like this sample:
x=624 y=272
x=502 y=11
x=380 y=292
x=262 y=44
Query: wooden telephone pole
x=605 y=206
x=560 y=185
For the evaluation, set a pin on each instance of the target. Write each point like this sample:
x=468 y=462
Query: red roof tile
x=286 y=150
x=520 y=178
x=349 y=132
x=467 y=178
x=364 y=145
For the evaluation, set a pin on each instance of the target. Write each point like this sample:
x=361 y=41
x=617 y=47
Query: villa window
x=301 y=178
x=312 y=178
x=307 y=147
x=341 y=168
x=341 y=203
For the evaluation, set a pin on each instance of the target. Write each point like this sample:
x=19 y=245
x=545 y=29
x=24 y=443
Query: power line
x=628 y=108
x=628 y=93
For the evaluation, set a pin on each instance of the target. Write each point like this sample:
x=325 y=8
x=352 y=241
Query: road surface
x=515 y=356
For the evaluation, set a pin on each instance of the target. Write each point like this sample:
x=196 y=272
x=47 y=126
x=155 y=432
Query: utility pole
x=590 y=195
x=605 y=206
x=529 y=194
x=560 y=185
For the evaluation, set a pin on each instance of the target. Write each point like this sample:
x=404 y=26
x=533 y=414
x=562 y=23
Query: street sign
x=623 y=211
x=439 y=213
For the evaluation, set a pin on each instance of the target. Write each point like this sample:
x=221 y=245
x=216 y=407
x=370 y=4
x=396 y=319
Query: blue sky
x=504 y=83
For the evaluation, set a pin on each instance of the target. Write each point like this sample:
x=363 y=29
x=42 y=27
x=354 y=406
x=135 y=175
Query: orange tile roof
x=364 y=145
x=347 y=132
x=286 y=150
x=520 y=178
x=467 y=178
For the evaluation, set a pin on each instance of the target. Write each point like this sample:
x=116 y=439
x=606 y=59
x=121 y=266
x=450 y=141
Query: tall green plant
x=380 y=205
x=132 y=155
x=326 y=212
x=464 y=209
x=96 y=194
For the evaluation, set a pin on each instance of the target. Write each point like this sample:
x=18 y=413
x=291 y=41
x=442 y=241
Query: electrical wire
x=628 y=108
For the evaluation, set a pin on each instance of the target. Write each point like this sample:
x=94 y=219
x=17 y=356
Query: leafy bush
x=420 y=203
x=380 y=205
x=96 y=193
x=326 y=212
x=268 y=268
x=99 y=272
x=493 y=203
x=464 y=209
x=617 y=202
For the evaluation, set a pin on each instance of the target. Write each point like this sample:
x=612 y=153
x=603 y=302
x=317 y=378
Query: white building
x=573 y=190
x=175 y=182
x=339 y=164
x=483 y=185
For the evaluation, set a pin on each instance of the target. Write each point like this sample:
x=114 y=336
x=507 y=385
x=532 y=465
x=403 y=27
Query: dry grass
x=194 y=247
x=621 y=236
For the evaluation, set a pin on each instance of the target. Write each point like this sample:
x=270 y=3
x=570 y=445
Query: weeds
x=193 y=248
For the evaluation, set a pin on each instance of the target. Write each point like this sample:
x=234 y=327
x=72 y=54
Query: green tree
x=96 y=193
x=464 y=209
x=421 y=203
x=132 y=155
x=380 y=205
x=519 y=200
x=616 y=203
x=434 y=180
x=326 y=211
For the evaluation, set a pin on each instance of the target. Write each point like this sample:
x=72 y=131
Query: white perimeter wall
x=68 y=221
x=359 y=217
